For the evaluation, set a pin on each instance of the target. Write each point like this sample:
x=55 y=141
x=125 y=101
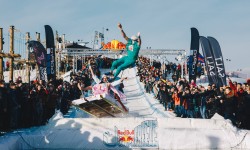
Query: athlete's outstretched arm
x=139 y=39
x=123 y=33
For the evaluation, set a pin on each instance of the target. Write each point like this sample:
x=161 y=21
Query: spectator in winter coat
x=193 y=84
x=196 y=100
x=164 y=96
x=233 y=86
x=246 y=121
x=176 y=99
x=3 y=107
x=202 y=103
x=229 y=104
x=174 y=77
x=156 y=89
x=189 y=104
x=65 y=99
x=23 y=91
x=240 y=111
x=211 y=101
x=13 y=106
x=51 y=101
x=40 y=105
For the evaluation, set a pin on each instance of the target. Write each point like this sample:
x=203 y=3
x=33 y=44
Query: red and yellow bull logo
x=114 y=45
x=125 y=136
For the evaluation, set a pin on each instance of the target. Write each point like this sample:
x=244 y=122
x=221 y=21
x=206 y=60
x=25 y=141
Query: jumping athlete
x=133 y=47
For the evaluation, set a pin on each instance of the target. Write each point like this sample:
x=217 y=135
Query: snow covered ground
x=147 y=125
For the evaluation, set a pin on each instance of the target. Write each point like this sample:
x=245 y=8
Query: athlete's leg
x=117 y=63
x=125 y=65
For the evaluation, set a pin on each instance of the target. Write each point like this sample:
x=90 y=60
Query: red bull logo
x=114 y=45
x=125 y=136
x=143 y=135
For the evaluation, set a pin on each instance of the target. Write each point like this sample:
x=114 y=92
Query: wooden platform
x=99 y=108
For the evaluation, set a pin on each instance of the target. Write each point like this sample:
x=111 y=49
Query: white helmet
x=134 y=38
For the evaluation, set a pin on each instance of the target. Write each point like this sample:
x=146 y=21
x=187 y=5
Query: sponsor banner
x=209 y=61
x=219 y=63
x=141 y=135
x=40 y=56
x=50 y=47
x=194 y=52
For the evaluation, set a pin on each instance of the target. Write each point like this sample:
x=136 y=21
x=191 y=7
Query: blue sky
x=162 y=23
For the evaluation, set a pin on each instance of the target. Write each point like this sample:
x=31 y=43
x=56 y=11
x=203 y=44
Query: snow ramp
x=147 y=126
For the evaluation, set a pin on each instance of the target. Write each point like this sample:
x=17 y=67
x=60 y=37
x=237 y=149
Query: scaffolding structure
x=143 y=52
x=153 y=54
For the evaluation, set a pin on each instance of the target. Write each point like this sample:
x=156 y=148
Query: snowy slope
x=141 y=104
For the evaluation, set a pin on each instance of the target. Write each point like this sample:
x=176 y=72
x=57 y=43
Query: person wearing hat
x=133 y=47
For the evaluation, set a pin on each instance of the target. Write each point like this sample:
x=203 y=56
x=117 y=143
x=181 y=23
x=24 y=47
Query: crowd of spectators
x=24 y=105
x=188 y=100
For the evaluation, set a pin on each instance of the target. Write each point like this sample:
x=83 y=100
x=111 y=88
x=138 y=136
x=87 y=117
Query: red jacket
x=233 y=87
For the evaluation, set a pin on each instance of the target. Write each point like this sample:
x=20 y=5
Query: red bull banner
x=141 y=135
